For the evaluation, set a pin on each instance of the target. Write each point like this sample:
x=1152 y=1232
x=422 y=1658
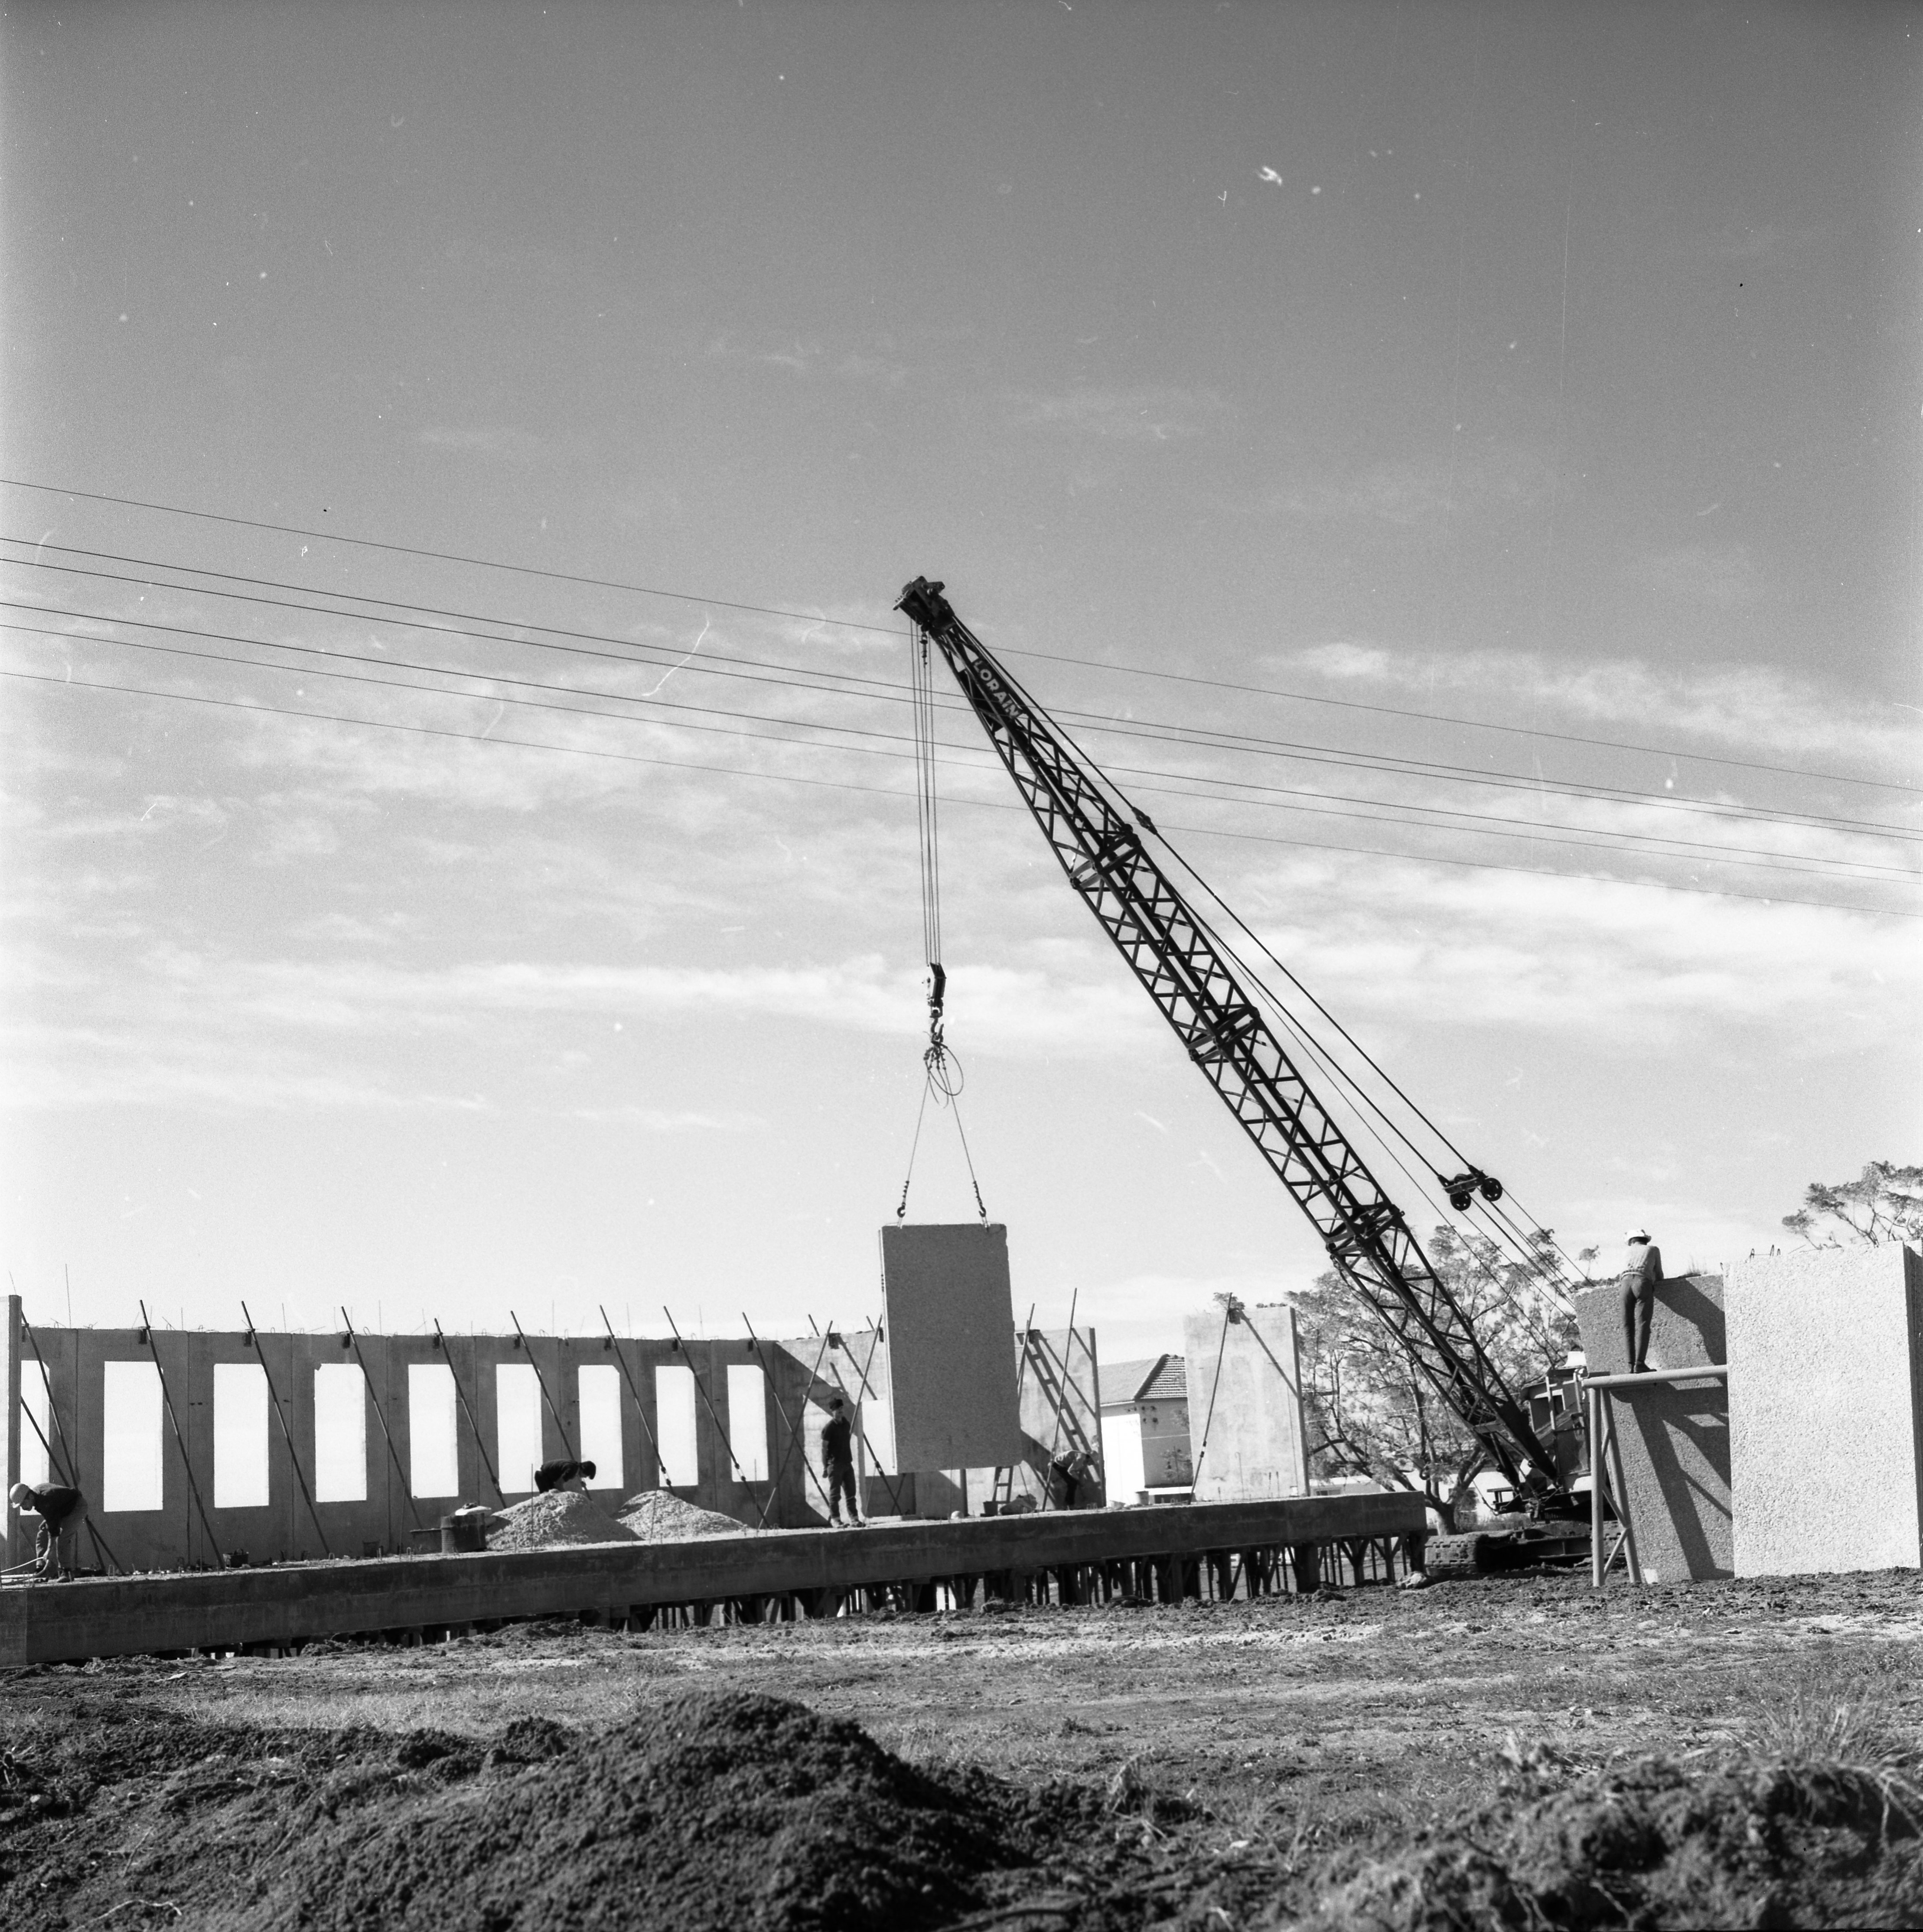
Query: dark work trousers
x=1638 y=1304
x=841 y=1480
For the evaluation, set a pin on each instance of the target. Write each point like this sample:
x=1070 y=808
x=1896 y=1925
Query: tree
x=1366 y=1407
x=1884 y=1204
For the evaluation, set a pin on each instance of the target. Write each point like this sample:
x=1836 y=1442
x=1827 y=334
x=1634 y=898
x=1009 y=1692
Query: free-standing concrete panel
x=1248 y=1410
x=948 y=1316
x=1674 y=1440
x=1826 y=1410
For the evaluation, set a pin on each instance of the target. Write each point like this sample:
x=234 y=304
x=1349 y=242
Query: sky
x=1456 y=467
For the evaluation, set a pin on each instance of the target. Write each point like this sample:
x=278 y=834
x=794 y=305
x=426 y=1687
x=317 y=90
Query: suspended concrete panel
x=1245 y=1403
x=948 y=1317
x=1826 y=1410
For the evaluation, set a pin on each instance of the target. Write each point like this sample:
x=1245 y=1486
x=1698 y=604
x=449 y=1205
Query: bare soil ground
x=1512 y=1751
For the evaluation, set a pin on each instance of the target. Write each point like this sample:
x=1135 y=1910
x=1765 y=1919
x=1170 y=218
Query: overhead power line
x=883 y=630
x=715 y=664
x=886 y=791
x=1163 y=783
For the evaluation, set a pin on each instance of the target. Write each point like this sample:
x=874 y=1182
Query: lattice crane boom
x=1176 y=957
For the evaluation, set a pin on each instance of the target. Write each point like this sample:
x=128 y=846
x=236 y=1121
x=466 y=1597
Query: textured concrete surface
x=1250 y=1415
x=1675 y=1441
x=948 y=1317
x=1826 y=1410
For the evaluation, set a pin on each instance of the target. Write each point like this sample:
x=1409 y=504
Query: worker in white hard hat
x=1640 y=1280
x=61 y=1511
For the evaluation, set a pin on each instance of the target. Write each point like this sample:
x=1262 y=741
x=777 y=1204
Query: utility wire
x=886 y=791
x=1578 y=837
x=1149 y=729
x=849 y=624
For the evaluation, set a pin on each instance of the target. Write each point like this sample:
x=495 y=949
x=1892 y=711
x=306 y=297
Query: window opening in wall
x=434 y=1455
x=130 y=1436
x=36 y=1400
x=340 y=1433
x=517 y=1425
x=240 y=1435
x=674 y=1427
x=599 y=1390
x=748 y=1421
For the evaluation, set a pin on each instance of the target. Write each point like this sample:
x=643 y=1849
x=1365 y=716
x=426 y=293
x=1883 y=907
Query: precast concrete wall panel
x=1826 y=1410
x=1245 y=1403
x=948 y=1316
x=1672 y=1440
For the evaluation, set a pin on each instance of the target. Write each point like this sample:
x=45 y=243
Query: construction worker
x=1640 y=1280
x=559 y=1475
x=61 y=1511
x=837 y=1456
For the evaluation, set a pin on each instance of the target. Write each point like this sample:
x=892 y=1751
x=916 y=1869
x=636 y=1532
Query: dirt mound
x=655 y=1516
x=560 y=1516
x=1754 y=1844
x=725 y=1811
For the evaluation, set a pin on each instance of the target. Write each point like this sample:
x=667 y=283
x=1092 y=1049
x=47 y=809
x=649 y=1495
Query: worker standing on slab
x=61 y=1512
x=560 y=1474
x=1640 y=1281
x=838 y=1455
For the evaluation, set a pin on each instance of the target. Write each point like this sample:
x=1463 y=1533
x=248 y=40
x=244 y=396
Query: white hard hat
x=1637 y=1234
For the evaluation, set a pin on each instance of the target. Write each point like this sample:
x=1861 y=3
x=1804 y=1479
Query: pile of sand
x=656 y=1515
x=560 y=1517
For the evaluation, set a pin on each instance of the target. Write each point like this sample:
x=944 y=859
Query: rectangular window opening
x=599 y=1390
x=517 y=1425
x=748 y=1421
x=340 y=1433
x=674 y=1427
x=36 y=1401
x=434 y=1454
x=131 y=1444
x=240 y=1435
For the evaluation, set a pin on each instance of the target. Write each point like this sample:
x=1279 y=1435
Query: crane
x=1097 y=837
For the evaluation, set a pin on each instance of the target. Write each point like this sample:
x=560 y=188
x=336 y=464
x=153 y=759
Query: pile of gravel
x=561 y=1517
x=656 y=1515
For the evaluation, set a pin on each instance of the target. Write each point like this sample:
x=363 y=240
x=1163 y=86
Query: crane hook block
x=937 y=987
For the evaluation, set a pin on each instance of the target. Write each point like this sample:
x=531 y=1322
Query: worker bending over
x=1640 y=1281
x=838 y=1455
x=61 y=1510
x=563 y=1475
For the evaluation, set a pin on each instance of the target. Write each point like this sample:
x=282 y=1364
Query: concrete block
x=949 y=1316
x=1826 y=1410
x=1673 y=1441
x=1250 y=1413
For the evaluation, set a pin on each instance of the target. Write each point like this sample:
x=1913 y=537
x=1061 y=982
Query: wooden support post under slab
x=1307 y=1559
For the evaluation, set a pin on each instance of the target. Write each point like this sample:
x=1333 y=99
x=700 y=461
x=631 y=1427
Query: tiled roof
x=1151 y=1378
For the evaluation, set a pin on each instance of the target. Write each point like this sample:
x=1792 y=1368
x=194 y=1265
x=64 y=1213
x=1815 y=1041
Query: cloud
x=1158 y=414
x=848 y=359
x=1416 y=493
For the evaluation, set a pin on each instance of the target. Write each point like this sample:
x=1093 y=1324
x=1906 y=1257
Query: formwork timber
x=1164 y=1553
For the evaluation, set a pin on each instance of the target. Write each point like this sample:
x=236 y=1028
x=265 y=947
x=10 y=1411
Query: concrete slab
x=949 y=1316
x=1674 y=1441
x=1250 y=1414
x=295 y=1602
x=1826 y=1410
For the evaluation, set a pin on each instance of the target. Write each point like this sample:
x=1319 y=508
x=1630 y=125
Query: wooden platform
x=1163 y=1553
